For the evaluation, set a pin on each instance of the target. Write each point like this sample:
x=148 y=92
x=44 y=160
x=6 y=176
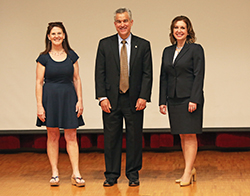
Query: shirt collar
x=128 y=40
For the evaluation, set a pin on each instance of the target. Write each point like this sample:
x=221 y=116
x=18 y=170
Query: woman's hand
x=163 y=109
x=192 y=107
x=41 y=113
x=78 y=88
x=79 y=109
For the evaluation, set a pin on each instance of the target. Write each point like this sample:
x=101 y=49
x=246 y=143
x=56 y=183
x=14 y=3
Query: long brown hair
x=65 y=43
x=191 y=34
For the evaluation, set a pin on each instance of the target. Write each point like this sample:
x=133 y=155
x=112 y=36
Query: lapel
x=115 y=50
x=134 y=49
x=171 y=55
x=182 y=52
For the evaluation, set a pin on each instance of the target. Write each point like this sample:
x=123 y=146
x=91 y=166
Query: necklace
x=57 y=53
x=178 y=49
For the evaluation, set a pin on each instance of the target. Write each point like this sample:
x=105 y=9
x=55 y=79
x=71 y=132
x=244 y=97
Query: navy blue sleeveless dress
x=59 y=96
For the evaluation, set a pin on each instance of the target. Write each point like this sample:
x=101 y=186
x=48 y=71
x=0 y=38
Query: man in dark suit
x=123 y=96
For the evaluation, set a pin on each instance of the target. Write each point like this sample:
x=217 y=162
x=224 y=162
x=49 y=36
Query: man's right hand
x=105 y=104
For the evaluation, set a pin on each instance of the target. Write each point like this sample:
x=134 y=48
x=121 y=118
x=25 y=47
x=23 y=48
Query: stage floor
x=218 y=173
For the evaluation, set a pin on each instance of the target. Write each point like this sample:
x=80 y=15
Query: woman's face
x=180 y=31
x=56 y=36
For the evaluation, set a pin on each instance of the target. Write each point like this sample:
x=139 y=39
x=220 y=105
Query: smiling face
x=123 y=24
x=56 y=36
x=180 y=31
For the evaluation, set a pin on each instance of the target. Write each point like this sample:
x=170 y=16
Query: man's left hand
x=140 y=104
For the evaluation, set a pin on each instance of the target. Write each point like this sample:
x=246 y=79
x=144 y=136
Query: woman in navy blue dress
x=59 y=98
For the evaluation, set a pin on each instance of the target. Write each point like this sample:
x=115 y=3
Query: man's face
x=123 y=24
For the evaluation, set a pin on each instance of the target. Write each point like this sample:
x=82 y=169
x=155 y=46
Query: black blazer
x=185 y=77
x=107 y=70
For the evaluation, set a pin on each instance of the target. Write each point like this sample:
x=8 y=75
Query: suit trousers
x=113 y=132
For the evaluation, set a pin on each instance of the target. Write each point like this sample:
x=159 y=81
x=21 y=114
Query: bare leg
x=53 y=148
x=183 y=152
x=189 y=147
x=73 y=151
x=183 y=146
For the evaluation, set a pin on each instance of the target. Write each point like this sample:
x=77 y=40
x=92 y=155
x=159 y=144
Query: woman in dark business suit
x=181 y=90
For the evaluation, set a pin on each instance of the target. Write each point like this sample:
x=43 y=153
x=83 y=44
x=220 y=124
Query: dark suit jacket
x=107 y=70
x=185 y=77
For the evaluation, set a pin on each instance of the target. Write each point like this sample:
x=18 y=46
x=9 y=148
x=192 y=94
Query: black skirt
x=181 y=120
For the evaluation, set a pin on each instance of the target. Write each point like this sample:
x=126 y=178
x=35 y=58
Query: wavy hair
x=191 y=34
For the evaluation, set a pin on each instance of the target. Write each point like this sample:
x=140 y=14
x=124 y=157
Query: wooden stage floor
x=218 y=173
